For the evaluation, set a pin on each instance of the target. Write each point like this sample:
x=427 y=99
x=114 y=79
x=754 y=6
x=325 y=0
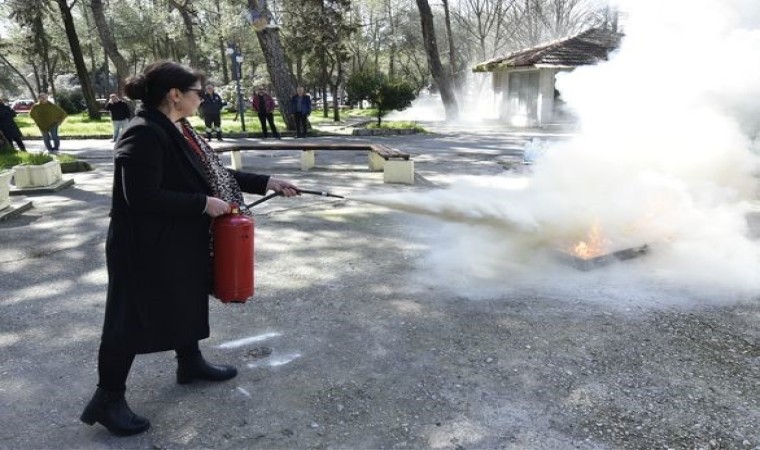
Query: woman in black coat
x=168 y=185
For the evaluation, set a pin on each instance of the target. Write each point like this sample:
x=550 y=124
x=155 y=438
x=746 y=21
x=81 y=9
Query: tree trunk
x=187 y=13
x=323 y=87
x=37 y=78
x=20 y=75
x=442 y=78
x=107 y=74
x=392 y=53
x=452 y=53
x=335 y=87
x=335 y=102
x=109 y=44
x=76 y=53
x=50 y=74
x=223 y=55
x=93 y=70
x=42 y=45
x=274 y=55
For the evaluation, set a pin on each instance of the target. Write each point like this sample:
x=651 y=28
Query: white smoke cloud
x=664 y=157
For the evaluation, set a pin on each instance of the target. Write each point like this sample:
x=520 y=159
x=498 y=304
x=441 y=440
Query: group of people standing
x=263 y=104
x=300 y=107
x=211 y=110
x=48 y=116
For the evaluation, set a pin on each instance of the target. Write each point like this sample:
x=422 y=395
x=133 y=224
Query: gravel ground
x=349 y=344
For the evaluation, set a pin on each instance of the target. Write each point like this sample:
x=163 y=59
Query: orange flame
x=595 y=245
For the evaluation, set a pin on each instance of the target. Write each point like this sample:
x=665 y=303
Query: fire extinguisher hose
x=302 y=191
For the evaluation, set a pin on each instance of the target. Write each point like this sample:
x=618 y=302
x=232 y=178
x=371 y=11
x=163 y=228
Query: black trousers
x=264 y=118
x=301 y=123
x=213 y=122
x=114 y=365
x=13 y=136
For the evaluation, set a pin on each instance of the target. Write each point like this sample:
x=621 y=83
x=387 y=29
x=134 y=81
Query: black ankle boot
x=194 y=367
x=110 y=409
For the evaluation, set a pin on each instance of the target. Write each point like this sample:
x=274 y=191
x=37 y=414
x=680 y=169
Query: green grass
x=398 y=125
x=74 y=125
x=10 y=157
x=317 y=116
x=8 y=160
x=77 y=125
x=81 y=125
x=65 y=157
x=367 y=112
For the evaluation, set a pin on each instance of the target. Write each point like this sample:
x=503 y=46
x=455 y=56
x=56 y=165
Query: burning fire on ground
x=595 y=244
x=596 y=251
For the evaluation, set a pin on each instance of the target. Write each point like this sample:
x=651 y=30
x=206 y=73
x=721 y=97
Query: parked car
x=22 y=106
x=102 y=102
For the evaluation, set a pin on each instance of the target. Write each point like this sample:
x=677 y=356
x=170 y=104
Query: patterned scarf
x=223 y=184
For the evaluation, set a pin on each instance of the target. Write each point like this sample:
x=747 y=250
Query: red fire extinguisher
x=233 y=256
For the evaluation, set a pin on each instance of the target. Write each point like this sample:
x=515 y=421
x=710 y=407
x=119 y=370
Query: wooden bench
x=397 y=166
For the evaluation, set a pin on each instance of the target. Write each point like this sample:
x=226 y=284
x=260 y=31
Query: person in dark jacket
x=168 y=185
x=263 y=104
x=120 y=114
x=8 y=126
x=211 y=107
x=300 y=106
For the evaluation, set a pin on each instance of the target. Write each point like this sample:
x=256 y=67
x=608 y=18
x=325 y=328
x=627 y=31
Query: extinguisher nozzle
x=300 y=191
x=320 y=193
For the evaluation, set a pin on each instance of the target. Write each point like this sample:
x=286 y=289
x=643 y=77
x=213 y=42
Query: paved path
x=350 y=343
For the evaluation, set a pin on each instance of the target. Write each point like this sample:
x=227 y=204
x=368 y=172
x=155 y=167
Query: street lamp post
x=237 y=69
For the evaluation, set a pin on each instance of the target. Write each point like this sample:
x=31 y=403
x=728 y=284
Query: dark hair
x=158 y=79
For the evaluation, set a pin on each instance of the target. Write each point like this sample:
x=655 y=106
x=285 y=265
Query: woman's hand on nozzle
x=286 y=188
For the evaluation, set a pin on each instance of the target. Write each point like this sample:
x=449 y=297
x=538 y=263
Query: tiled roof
x=588 y=47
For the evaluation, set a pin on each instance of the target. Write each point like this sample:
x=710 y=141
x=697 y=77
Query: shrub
x=71 y=101
x=385 y=94
x=363 y=86
x=37 y=159
x=393 y=95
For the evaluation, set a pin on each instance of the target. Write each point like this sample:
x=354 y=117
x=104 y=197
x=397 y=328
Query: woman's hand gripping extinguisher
x=233 y=256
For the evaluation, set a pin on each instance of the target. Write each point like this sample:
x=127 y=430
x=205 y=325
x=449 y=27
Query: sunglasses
x=198 y=92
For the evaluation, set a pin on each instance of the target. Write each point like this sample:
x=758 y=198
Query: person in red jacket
x=263 y=104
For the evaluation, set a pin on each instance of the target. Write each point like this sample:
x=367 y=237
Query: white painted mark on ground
x=275 y=360
x=244 y=392
x=249 y=340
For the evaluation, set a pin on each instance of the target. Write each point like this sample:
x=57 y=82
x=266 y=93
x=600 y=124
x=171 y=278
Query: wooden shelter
x=523 y=81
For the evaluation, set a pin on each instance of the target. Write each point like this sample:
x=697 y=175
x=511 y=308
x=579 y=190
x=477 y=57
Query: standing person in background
x=211 y=106
x=168 y=186
x=300 y=106
x=120 y=114
x=48 y=117
x=8 y=126
x=263 y=104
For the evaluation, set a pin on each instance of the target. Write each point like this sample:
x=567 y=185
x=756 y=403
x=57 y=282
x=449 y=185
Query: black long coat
x=157 y=249
x=7 y=124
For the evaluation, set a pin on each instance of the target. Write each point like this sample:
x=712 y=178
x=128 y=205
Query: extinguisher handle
x=263 y=199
